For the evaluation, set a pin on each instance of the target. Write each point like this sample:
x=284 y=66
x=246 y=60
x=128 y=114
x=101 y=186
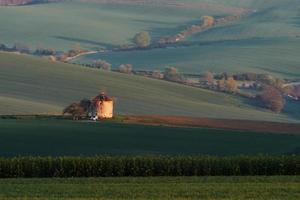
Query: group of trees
x=172 y=74
x=79 y=110
x=224 y=83
x=272 y=98
x=45 y=52
x=227 y=84
x=19 y=47
x=272 y=92
x=102 y=64
x=23 y=48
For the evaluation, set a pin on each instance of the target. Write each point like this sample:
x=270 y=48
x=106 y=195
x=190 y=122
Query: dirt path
x=80 y=54
x=254 y=126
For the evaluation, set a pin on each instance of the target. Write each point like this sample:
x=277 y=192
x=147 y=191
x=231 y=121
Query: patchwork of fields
x=264 y=41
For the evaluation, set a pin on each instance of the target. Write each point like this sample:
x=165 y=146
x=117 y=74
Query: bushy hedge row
x=110 y=166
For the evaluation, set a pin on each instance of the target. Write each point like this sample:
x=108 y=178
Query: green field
x=266 y=41
x=61 y=25
x=62 y=138
x=183 y=188
x=30 y=85
x=278 y=57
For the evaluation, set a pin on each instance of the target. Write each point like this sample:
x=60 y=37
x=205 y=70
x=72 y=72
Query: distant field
x=61 y=25
x=183 y=188
x=63 y=138
x=278 y=57
x=265 y=41
x=31 y=85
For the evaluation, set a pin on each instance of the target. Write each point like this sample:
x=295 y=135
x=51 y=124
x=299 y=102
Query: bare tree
x=126 y=68
x=209 y=78
x=272 y=98
x=222 y=84
x=231 y=85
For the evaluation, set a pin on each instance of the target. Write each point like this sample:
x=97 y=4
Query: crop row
x=117 y=166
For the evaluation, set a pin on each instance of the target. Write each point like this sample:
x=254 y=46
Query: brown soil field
x=243 y=125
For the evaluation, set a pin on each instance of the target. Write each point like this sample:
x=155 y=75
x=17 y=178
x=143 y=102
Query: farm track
x=243 y=125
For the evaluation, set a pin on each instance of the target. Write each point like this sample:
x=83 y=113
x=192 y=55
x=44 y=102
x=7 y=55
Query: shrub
x=142 y=39
x=208 y=21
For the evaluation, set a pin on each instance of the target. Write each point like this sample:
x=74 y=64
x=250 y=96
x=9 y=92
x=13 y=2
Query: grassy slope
x=56 y=85
x=221 y=188
x=54 y=137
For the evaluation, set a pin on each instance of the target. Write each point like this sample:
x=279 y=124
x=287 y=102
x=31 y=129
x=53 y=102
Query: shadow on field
x=154 y=22
x=79 y=40
x=283 y=71
x=292 y=109
x=296 y=21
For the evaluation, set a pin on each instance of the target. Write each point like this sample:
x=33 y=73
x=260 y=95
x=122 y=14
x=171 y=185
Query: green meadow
x=158 y=188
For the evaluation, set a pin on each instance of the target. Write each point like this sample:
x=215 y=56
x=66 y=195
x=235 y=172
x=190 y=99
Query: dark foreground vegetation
x=120 y=166
x=155 y=188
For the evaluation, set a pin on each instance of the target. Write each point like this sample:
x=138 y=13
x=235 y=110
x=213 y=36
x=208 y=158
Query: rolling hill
x=266 y=40
x=61 y=25
x=31 y=85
